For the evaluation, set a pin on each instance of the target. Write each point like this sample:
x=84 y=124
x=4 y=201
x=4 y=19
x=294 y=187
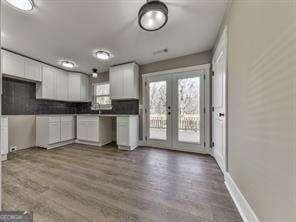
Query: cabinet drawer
x=53 y=119
x=123 y=121
x=67 y=118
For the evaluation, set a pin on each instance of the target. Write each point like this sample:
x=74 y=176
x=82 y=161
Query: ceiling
x=72 y=29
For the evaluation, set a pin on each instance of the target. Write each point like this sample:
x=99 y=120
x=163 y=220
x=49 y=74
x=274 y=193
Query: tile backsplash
x=19 y=98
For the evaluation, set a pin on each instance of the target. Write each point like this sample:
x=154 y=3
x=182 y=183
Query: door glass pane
x=157 y=110
x=189 y=110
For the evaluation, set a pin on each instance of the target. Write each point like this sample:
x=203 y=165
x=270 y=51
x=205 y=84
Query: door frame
x=222 y=45
x=207 y=111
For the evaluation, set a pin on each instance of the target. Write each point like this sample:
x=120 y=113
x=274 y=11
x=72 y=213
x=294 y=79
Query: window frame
x=95 y=105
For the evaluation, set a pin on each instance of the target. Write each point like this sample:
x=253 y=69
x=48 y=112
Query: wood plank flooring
x=79 y=183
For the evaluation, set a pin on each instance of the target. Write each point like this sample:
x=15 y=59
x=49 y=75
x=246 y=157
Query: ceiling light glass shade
x=103 y=55
x=68 y=64
x=25 y=5
x=153 y=15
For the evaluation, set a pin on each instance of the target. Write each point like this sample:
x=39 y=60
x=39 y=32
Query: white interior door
x=174 y=111
x=219 y=103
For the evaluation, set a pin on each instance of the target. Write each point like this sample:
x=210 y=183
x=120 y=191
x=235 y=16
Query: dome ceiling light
x=103 y=54
x=68 y=64
x=153 y=15
x=24 y=5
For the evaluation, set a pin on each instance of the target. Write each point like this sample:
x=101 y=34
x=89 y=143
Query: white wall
x=262 y=105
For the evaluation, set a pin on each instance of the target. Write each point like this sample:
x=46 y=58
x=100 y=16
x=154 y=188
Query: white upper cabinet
x=124 y=81
x=52 y=83
x=79 y=87
x=47 y=89
x=62 y=85
x=13 y=64
x=21 y=67
x=84 y=88
x=33 y=70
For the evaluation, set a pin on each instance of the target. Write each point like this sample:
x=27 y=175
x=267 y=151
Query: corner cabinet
x=124 y=81
x=79 y=87
x=54 y=131
x=63 y=86
x=94 y=130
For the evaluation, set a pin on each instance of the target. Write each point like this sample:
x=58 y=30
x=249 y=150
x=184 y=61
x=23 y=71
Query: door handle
x=221 y=114
x=169 y=113
x=169 y=107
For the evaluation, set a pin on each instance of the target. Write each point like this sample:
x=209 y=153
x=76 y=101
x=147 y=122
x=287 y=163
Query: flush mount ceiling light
x=153 y=15
x=67 y=64
x=103 y=54
x=25 y=5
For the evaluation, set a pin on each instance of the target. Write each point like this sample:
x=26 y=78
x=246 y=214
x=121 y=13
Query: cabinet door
x=74 y=87
x=128 y=83
x=62 y=85
x=67 y=130
x=123 y=131
x=82 y=130
x=116 y=83
x=93 y=131
x=54 y=132
x=32 y=70
x=83 y=88
x=48 y=83
x=13 y=64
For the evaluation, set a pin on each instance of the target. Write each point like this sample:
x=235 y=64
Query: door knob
x=169 y=107
x=169 y=113
x=221 y=114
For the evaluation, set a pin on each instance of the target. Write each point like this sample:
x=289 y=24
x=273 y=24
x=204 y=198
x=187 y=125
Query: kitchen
x=148 y=110
x=53 y=128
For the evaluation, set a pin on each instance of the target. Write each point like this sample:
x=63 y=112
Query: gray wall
x=262 y=105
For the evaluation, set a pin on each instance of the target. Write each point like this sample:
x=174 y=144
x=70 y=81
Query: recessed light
x=103 y=54
x=67 y=64
x=25 y=5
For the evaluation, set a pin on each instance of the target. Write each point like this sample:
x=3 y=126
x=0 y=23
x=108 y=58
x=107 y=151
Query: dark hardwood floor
x=79 y=183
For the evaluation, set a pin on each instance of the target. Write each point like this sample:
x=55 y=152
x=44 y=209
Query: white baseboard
x=244 y=208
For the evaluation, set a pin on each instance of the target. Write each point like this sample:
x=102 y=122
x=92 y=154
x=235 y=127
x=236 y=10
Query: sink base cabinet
x=94 y=130
x=54 y=131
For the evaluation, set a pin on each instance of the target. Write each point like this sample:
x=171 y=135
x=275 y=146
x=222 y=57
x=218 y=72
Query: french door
x=174 y=110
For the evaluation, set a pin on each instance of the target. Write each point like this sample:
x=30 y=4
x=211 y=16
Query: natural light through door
x=157 y=110
x=189 y=110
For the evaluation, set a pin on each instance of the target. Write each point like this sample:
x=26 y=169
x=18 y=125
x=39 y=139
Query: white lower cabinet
x=67 y=128
x=127 y=132
x=94 y=130
x=54 y=131
x=4 y=138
